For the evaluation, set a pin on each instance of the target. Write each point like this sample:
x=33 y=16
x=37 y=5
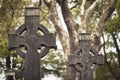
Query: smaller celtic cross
x=32 y=42
x=85 y=59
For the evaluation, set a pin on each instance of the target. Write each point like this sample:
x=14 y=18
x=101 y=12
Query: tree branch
x=74 y=6
x=40 y=2
x=73 y=40
x=47 y=3
x=88 y=14
x=70 y=23
x=108 y=12
x=82 y=7
x=100 y=24
x=62 y=34
x=108 y=63
x=117 y=48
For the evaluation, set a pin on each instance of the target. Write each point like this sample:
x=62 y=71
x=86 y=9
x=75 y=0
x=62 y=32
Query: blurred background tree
x=67 y=18
x=111 y=48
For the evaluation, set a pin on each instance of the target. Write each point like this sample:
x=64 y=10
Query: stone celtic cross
x=32 y=41
x=85 y=59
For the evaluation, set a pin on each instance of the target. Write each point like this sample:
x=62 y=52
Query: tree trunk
x=72 y=41
x=62 y=34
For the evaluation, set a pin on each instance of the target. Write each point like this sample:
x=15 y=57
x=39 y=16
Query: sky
x=35 y=0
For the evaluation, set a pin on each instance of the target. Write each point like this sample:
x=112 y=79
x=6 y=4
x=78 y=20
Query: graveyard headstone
x=85 y=59
x=27 y=36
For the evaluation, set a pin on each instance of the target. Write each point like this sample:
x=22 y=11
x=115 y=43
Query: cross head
x=85 y=60
x=32 y=42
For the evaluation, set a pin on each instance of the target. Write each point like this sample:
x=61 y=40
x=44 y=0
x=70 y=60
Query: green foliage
x=45 y=16
x=54 y=63
x=3 y=48
x=118 y=7
x=108 y=72
x=113 y=25
x=10 y=12
x=103 y=73
x=76 y=12
x=111 y=69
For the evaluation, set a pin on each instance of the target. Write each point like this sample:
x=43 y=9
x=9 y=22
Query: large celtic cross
x=85 y=59
x=32 y=41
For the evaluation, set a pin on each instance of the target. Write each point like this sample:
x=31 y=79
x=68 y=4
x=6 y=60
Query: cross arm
x=71 y=60
x=74 y=59
x=100 y=59
x=14 y=41
x=97 y=59
x=48 y=40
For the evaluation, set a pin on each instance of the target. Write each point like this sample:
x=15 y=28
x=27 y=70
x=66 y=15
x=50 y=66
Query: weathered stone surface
x=85 y=59
x=32 y=41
